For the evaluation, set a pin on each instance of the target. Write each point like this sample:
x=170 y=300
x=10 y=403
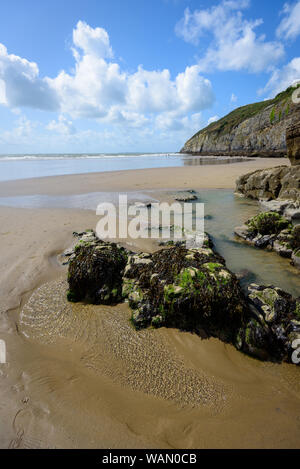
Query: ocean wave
x=44 y=157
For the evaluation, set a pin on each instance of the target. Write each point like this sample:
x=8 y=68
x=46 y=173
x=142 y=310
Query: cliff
x=257 y=129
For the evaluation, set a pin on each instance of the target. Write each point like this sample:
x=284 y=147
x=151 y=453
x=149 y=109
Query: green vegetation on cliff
x=278 y=109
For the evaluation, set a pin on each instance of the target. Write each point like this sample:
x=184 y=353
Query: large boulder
x=190 y=289
x=273 y=326
x=95 y=272
x=281 y=183
x=293 y=142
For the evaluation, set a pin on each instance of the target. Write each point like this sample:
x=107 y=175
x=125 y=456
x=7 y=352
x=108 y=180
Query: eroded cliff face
x=255 y=130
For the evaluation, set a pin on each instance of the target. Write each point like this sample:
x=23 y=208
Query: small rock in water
x=272 y=231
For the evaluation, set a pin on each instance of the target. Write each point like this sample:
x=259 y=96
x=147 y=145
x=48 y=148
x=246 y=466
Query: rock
x=68 y=252
x=187 y=289
x=190 y=289
x=263 y=242
x=296 y=258
x=272 y=231
x=270 y=331
x=207 y=242
x=186 y=196
x=289 y=208
x=293 y=142
x=281 y=183
x=282 y=249
x=257 y=129
x=268 y=223
x=95 y=273
x=242 y=232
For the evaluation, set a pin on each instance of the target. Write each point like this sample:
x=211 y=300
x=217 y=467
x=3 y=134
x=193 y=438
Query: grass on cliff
x=236 y=117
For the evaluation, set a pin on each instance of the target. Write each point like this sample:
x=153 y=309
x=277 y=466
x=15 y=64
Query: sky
x=110 y=76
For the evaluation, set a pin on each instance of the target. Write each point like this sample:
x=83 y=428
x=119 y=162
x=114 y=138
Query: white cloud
x=92 y=41
x=233 y=98
x=21 y=85
x=213 y=119
x=289 y=27
x=2 y=93
x=62 y=126
x=156 y=92
x=21 y=133
x=170 y=122
x=97 y=88
x=94 y=87
x=236 y=46
x=283 y=78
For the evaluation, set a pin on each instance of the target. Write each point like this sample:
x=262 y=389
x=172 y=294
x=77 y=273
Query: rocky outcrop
x=282 y=182
x=95 y=271
x=269 y=230
x=293 y=142
x=190 y=289
x=277 y=189
x=274 y=325
x=255 y=130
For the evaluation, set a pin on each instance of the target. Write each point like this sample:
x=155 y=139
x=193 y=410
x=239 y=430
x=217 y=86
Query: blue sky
x=136 y=75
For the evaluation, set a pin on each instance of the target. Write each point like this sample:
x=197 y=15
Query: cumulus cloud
x=92 y=41
x=283 y=78
x=21 y=85
x=289 y=27
x=170 y=122
x=97 y=88
x=236 y=46
x=155 y=91
x=233 y=98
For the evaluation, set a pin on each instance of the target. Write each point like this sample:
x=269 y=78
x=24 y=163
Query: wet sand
x=80 y=376
x=222 y=176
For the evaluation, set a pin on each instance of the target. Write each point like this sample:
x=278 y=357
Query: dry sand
x=80 y=376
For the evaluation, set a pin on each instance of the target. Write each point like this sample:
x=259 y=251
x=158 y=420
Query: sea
x=24 y=166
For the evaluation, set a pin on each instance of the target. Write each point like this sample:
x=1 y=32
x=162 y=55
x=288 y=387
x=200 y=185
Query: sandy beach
x=81 y=376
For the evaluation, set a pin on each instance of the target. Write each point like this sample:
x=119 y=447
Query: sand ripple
x=103 y=340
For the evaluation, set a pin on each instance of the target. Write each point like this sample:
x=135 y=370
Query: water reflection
x=211 y=160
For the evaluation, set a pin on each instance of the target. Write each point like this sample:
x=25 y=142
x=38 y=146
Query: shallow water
x=226 y=211
x=229 y=211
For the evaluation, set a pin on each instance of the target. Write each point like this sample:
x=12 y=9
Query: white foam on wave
x=44 y=157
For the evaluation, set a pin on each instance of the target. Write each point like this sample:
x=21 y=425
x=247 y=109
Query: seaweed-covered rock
x=296 y=258
x=186 y=288
x=95 y=272
x=190 y=289
x=295 y=238
x=273 y=326
x=267 y=223
x=269 y=230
